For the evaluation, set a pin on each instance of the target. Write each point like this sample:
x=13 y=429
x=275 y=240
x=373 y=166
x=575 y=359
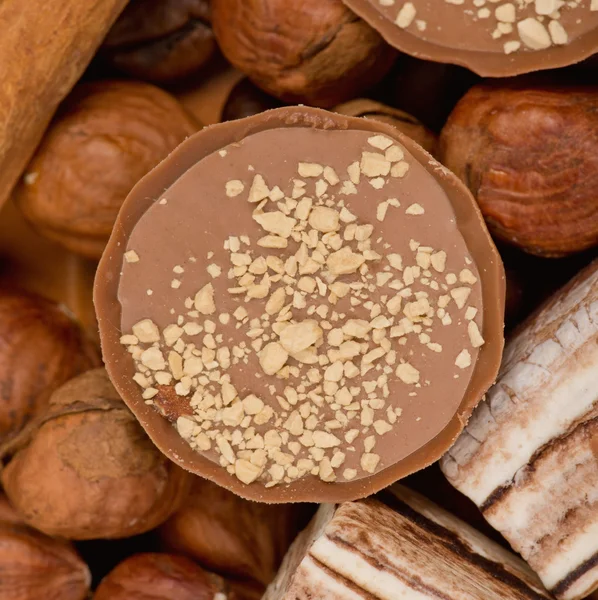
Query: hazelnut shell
x=35 y=566
x=316 y=52
x=240 y=539
x=530 y=157
x=161 y=40
x=85 y=469
x=154 y=576
x=41 y=348
x=246 y=100
x=106 y=136
x=7 y=513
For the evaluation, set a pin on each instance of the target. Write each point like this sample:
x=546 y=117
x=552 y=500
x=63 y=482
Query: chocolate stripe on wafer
x=528 y=456
x=399 y=546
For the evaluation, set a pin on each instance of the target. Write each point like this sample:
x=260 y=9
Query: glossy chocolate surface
x=197 y=217
x=492 y=39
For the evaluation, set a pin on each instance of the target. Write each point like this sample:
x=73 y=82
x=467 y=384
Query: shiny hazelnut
x=85 y=469
x=154 y=576
x=41 y=347
x=35 y=566
x=106 y=136
x=244 y=541
x=161 y=40
x=529 y=154
x=404 y=122
x=246 y=100
x=316 y=52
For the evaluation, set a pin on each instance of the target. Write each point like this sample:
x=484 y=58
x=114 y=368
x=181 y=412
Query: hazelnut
x=244 y=541
x=85 y=469
x=316 y=51
x=246 y=100
x=35 y=566
x=154 y=576
x=105 y=137
x=41 y=347
x=529 y=154
x=404 y=122
x=161 y=40
x=7 y=513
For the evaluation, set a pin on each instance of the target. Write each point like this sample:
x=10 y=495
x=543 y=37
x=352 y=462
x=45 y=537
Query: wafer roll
x=528 y=456
x=400 y=546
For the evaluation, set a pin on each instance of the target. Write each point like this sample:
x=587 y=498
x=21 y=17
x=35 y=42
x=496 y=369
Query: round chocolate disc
x=301 y=306
x=493 y=39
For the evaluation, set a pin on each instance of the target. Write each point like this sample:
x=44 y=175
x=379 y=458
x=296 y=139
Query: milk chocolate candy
x=404 y=122
x=528 y=456
x=399 y=546
x=301 y=306
x=493 y=39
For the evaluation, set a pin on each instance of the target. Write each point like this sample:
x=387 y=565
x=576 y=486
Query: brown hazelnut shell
x=530 y=157
x=242 y=540
x=35 y=566
x=404 y=122
x=316 y=52
x=85 y=469
x=246 y=100
x=106 y=136
x=41 y=347
x=161 y=40
x=7 y=513
x=154 y=576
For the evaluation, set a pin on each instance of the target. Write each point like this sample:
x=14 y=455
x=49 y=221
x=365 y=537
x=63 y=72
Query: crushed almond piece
x=234 y=188
x=463 y=360
x=131 y=257
x=415 y=209
x=204 y=300
x=475 y=337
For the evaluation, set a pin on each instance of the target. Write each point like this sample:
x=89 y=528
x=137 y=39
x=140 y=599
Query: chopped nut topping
x=146 y=331
x=474 y=335
x=204 y=300
x=234 y=188
x=463 y=360
x=131 y=256
x=333 y=327
x=415 y=209
x=529 y=24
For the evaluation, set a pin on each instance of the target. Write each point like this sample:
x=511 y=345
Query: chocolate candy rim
x=485 y=64
x=120 y=366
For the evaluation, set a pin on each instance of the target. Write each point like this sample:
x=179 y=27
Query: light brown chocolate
x=494 y=39
x=404 y=122
x=198 y=223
